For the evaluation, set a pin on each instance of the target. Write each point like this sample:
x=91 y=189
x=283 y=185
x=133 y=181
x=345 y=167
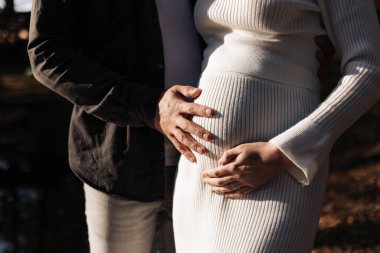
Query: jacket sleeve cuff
x=141 y=103
x=151 y=107
x=307 y=147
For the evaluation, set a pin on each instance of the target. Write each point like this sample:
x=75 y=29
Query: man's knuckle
x=197 y=131
x=239 y=193
x=185 y=126
x=194 y=146
x=181 y=149
x=176 y=121
x=243 y=168
x=252 y=185
x=176 y=106
x=237 y=176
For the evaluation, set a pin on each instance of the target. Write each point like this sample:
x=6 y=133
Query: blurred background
x=41 y=201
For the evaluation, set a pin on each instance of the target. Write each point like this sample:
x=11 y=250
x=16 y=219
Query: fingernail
x=206 y=136
x=200 y=150
x=208 y=112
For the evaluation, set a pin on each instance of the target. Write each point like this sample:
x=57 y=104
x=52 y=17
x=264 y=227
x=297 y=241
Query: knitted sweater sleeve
x=354 y=28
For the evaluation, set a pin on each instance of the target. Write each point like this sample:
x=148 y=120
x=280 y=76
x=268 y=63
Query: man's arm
x=58 y=64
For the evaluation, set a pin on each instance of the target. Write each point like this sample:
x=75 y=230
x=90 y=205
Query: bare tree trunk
x=9 y=7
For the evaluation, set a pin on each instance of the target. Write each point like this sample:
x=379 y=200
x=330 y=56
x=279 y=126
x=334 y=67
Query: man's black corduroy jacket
x=106 y=58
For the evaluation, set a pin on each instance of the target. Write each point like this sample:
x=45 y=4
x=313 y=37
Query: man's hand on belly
x=173 y=119
x=245 y=168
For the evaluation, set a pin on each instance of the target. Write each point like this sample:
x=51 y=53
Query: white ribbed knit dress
x=259 y=74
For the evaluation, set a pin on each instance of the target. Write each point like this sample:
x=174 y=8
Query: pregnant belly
x=248 y=109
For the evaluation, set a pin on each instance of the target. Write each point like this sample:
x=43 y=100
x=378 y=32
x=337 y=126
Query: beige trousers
x=118 y=225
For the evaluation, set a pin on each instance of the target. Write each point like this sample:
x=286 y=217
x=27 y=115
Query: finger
x=185 y=151
x=239 y=193
x=192 y=128
x=194 y=109
x=229 y=156
x=220 y=171
x=217 y=182
x=187 y=91
x=188 y=141
x=325 y=44
x=230 y=188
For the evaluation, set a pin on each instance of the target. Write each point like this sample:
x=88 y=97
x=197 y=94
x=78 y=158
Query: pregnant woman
x=261 y=185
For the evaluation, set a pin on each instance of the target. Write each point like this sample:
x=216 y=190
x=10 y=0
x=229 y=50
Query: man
x=106 y=58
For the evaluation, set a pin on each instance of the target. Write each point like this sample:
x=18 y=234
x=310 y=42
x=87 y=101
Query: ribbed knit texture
x=259 y=73
x=356 y=34
x=280 y=217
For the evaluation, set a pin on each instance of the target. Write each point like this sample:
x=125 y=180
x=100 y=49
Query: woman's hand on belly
x=245 y=168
